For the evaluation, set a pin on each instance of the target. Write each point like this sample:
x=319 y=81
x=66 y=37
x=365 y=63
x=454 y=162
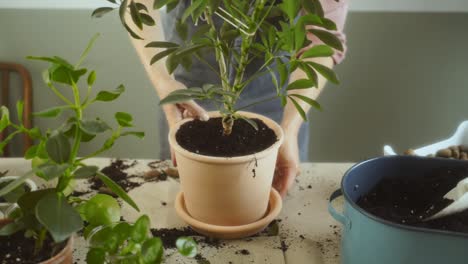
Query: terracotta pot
x=63 y=257
x=224 y=191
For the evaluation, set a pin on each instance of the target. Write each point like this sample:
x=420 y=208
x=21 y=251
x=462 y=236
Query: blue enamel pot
x=368 y=239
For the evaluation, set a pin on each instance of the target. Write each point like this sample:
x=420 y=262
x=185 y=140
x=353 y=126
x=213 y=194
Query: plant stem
x=39 y=243
x=59 y=95
x=247 y=41
x=79 y=116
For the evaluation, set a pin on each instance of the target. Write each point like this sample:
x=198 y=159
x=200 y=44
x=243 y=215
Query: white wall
x=356 y=5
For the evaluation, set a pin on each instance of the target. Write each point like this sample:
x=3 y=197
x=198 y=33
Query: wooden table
x=307 y=233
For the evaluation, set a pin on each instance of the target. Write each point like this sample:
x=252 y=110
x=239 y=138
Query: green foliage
x=54 y=156
x=131 y=243
x=269 y=31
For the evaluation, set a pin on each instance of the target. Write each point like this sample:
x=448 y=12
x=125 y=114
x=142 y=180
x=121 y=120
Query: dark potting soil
x=408 y=200
x=169 y=237
x=206 y=138
x=116 y=171
x=16 y=249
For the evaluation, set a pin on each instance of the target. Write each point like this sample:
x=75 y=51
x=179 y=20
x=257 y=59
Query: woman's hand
x=176 y=112
x=287 y=164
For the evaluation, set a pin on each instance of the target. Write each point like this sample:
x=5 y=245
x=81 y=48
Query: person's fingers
x=284 y=179
x=194 y=110
x=173 y=158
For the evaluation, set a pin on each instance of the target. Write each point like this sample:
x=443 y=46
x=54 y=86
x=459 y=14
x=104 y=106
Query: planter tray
x=231 y=232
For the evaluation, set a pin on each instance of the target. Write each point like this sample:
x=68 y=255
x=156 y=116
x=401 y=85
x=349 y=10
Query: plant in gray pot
x=387 y=210
x=226 y=180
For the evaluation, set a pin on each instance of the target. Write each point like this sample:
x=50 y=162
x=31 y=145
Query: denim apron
x=260 y=88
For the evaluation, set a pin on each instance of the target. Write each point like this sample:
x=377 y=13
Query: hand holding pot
x=287 y=164
x=176 y=112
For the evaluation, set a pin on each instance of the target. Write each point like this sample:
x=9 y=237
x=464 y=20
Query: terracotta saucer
x=231 y=232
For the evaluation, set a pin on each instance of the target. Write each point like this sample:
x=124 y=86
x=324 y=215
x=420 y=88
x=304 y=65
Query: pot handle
x=338 y=216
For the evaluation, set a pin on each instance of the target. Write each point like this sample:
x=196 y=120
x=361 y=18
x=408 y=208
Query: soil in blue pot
x=408 y=200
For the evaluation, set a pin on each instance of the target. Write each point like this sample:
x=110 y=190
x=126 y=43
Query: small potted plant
x=41 y=228
x=226 y=165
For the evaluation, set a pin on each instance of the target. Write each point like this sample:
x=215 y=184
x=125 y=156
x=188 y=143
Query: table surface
x=307 y=233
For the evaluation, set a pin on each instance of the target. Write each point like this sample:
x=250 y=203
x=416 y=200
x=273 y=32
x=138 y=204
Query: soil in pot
x=206 y=138
x=409 y=200
x=16 y=249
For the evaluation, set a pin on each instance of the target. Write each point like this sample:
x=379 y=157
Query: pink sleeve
x=335 y=10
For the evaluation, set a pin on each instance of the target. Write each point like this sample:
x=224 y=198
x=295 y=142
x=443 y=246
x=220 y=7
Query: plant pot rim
x=389 y=223
x=237 y=159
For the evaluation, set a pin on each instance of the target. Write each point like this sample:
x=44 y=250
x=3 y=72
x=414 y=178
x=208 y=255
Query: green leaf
x=147 y=20
x=299 y=37
x=250 y=122
x=91 y=78
x=31 y=152
x=141 y=6
x=187 y=246
x=326 y=72
x=161 y=44
x=60 y=219
x=122 y=9
x=54 y=60
x=172 y=62
x=161 y=55
x=189 y=50
x=311 y=74
x=101 y=209
x=99 y=12
x=300 y=84
x=123 y=230
x=299 y=108
x=58 y=147
x=34 y=133
x=52 y=112
x=117 y=190
x=5 y=120
x=96 y=256
x=328 y=38
x=160 y=3
x=152 y=250
x=104 y=239
x=135 y=15
x=283 y=72
x=140 y=229
x=308 y=100
x=190 y=10
x=106 y=96
x=290 y=8
x=62 y=74
x=94 y=127
x=50 y=171
x=134 y=133
x=171 y=5
x=19 y=110
x=318 y=51
x=11 y=228
x=85 y=172
x=14 y=195
x=124 y=119
x=182 y=29
x=28 y=202
x=176 y=98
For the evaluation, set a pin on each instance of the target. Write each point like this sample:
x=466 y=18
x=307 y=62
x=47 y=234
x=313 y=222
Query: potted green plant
x=41 y=228
x=220 y=187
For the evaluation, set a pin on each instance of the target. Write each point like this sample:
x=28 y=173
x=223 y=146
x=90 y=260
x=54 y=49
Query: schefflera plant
x=277 y=43
x=54 y=211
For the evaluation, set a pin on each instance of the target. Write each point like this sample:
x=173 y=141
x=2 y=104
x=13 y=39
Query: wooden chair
x=6 y=69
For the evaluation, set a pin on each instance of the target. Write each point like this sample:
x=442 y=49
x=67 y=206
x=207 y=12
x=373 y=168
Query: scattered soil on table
x=18 y=249
x=408 y=200
x=116 y=171
x=169 y=237
x=206 y=138
x=243 y=252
